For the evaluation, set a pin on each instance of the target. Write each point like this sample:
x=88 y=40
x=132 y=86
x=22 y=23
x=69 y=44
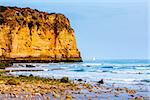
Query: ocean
x=123 y=73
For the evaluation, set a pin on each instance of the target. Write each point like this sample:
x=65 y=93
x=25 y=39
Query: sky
x=104 y=29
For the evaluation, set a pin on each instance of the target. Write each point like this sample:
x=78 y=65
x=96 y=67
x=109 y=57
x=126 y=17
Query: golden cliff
x=28 y=35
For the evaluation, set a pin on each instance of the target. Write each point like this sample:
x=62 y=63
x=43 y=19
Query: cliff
x=28 y=35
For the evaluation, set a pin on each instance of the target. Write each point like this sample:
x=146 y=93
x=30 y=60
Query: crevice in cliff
x=1 y=19
x=30 y=25
x=9 y=44
x=38 y=25
x=55 y=29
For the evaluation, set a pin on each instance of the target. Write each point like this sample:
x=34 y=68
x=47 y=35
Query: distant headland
x=28 y=35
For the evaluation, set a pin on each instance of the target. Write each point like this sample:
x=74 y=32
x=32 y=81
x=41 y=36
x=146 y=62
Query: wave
x=117 y=66
x=146 y=80
x=78 y=70
x=107 y=67
x=128 y=81
x=126 y=71
x=112 y=64
x=91 y=64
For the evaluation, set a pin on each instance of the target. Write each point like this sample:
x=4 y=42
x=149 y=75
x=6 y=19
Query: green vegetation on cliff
x=4 y=65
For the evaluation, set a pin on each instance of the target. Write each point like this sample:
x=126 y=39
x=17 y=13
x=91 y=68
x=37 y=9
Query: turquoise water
x=123 y=73
x=112 y=71
x=120 y=71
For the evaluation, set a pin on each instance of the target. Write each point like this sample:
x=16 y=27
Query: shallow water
x=131 y=73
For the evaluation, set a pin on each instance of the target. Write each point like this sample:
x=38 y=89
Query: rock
x=90 y=90
x=64 y=80
x=30 y=66
x=69 y=97
x=116 y=93
x=80 y=80
x=30 y=75
x=28 y=35
x=139 y=98
x=55 y=95
x=101 y=81
x=88 y=66
x=131 y=92
x=12 y=82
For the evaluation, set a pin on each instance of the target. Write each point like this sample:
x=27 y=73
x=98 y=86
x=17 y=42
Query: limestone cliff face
x=27 y=34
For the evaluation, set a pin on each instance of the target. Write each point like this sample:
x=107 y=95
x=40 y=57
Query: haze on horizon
x=106 y=29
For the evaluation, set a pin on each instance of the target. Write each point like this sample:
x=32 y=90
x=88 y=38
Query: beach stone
x=12 y=82
x=69 y=97
x=55 y=95
x=64 y=80
x=80 y=80
x=101 y=81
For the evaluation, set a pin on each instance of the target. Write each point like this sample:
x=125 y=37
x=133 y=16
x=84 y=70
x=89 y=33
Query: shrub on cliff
x=4 y=64
x=2 y=72
x=2 y=8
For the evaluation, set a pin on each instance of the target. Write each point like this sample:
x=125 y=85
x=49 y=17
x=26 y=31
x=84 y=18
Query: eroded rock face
x=30 y=35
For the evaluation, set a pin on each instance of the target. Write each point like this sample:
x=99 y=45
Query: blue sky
x=105 y=29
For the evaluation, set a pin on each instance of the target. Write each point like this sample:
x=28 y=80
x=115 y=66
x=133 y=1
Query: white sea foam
x=112 y=72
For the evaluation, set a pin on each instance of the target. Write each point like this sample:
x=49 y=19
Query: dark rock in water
x=107 y=67
x=139 y=73
x=64 y=80
x=30 y=75
x=79 y=70
x=20 y=65
x=104 y=71
x=22 y=76
x=147 y=81
x=57 y=69
x=80 y=80
x=88 y=66
x=101 y=81
x=132 y=95
x=30 y=66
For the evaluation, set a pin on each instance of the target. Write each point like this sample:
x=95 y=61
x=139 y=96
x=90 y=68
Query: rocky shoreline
x=39 y=60
x=61 y=89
